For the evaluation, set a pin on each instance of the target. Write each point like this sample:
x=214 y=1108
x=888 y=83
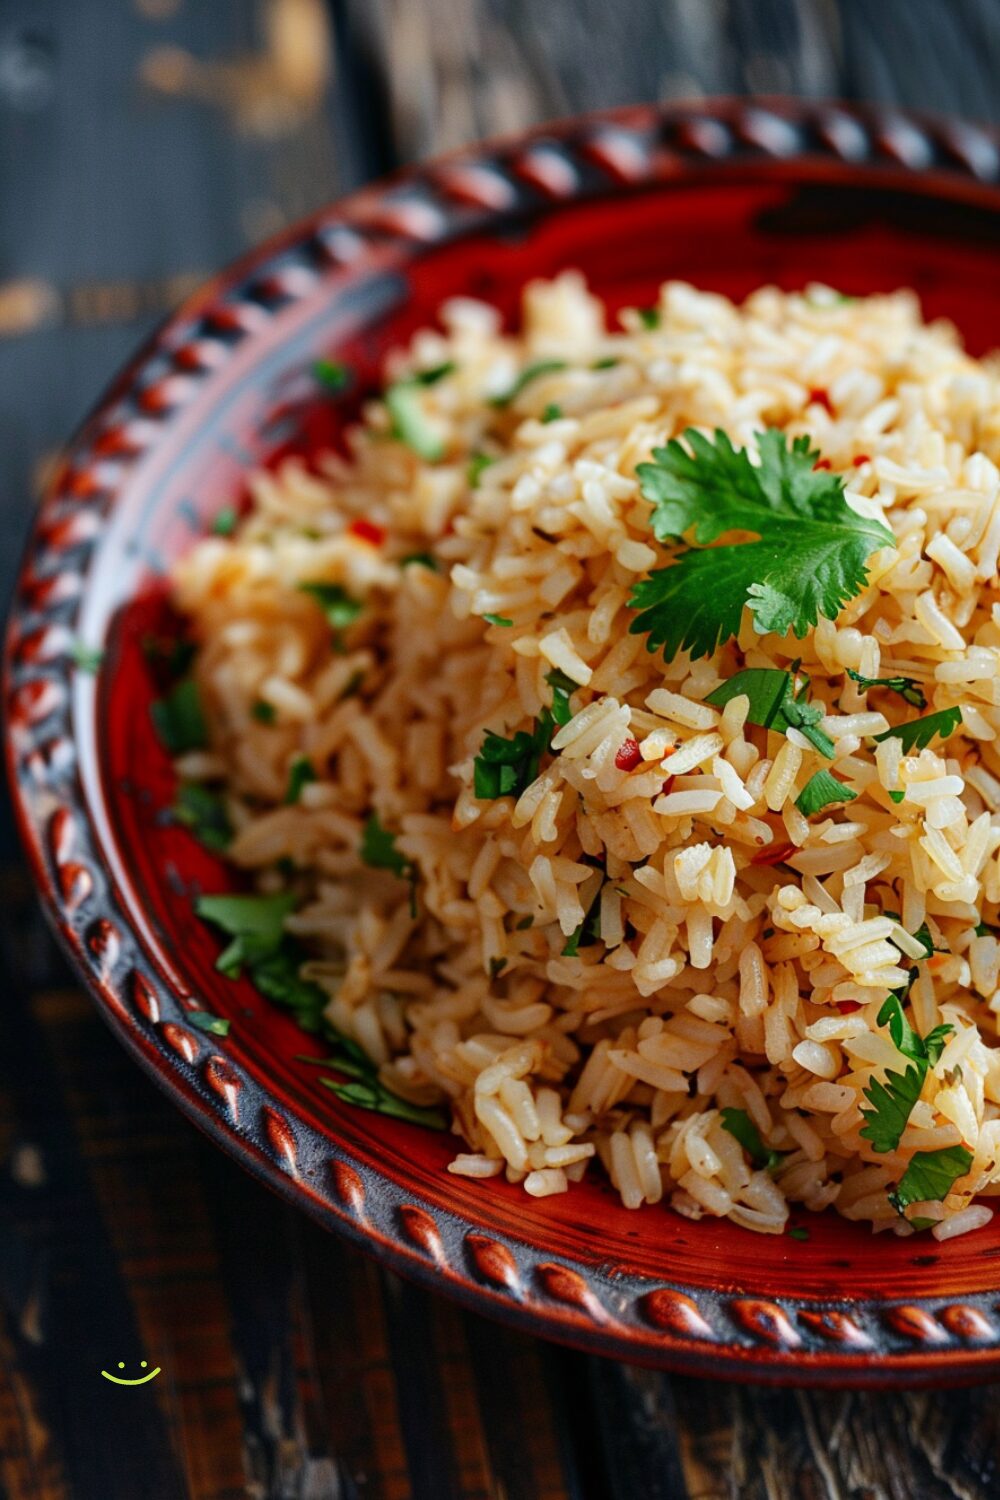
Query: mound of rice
x=744 y=950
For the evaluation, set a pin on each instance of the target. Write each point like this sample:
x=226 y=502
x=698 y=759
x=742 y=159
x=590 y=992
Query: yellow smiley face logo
x=119 y=1380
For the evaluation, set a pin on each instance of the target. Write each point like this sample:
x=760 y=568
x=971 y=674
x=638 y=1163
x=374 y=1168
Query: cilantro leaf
x=256 y=925
x=204 y=813
x=821 y=791
x=378 y=850
x=477 y=463
x=527 y=375
x=809 y=559
x=336 y=603
x=497 y=620
x=263 y=712
x=409 y=421
x=505 y=767
x=892 y=1101
x=225 y=522
x=178 y=719
x=277 y=977
x=331 y=375
x=930 y=1176
x=300 y=774
x=918 y=734
x=205 y=1021
x=649 y=317
x=589 y=931
x=421 y=559
x=773 y=704
x=908 y=688
x=369 y=1093
x=86 y=658
x=563 y=688
x=552 y=412
x=739 y=1124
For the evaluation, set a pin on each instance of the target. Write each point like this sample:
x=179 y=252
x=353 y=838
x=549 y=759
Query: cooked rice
x=718 y=982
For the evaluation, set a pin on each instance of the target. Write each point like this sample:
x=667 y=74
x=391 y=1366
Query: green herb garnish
x=178 y=719
x=477 y=463
x=340 y=608
x=773 y=704
x=378 y=849
x=563 y=688
x=370 y=1094
x=809 y=559
x=527 y=375
x=740 y=1125
x=892 y=1101
x=205 y=1021
x=589 y=930
x=552 y=412
x=497 y=966
x=930 y=1177
x=798 y=1234
x=263 y=712
x=300 y=773
x=507 y=767
x=256 y=925
x=409 y=422
x=908 y=688
x=421 y=560
x=649 y=317
x=918 y=734
x=86 y=658
x=225 y=522
x=607 y=363
x=331 y=375
x=821 y=791
x=497 y=620
x=204 y=813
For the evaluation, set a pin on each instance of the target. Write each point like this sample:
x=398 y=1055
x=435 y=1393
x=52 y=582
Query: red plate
x=726 y=195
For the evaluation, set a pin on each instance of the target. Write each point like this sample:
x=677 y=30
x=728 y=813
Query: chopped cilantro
x=171 y=653
x=740 y=1125
x=331 y=375
x=918 y=734
x=506 y=767
x=178 y=719
x=524 y=924
x=205 y=1021
x=607 y=363
x=204 y=813
x=497 y=966
x=649 y=317
x=477 y=463
x=563 y=688
x=277 y=977
x=300 y=773
x=225 y=522
x=264 y=712
x=256 y=925
x=353 y=684
x=773 y=704
x=527 y=375
x=891 y=1103
x=369 y=1093
x=798 y=1234
x=983 y=929
x=409 y=422
x=340 y=608
x=378 y=849
x=86 y=658
x=552 y=412
x=822 y=790
x=497 y=620
x=589 y=930
x=908 y=688
x=808 y=560
x=930 y=1176
x=422 y=560
x=434 y=373
x=896 y=796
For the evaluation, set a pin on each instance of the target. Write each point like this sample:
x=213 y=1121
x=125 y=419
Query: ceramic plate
x=725 y=195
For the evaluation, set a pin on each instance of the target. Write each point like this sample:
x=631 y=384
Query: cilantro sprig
x=918 y=733
x=507 y=767
x=204 y=812
x=891 y=1103
x=179 y=720
x=930 y=1177
x=808 y=560
x=378 y=850
x=908 y=688
x=822 y=790
x=739 y=1124
x=775 y=705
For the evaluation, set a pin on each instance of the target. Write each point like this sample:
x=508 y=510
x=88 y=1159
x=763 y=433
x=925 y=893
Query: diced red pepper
x=629 y=755
x=822 y=463
x=774 y=854
x=848 y=1007
x=368 y=531
x=861 y=458
x=820 y=397
x=667 y=786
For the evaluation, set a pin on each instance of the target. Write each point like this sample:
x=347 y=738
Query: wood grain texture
x=143 y=143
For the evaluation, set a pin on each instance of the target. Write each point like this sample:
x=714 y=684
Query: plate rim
x=713 y=1331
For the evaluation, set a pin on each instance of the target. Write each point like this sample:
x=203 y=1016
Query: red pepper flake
x=861 y=458
x=629 y=755
x=667 y=786
x=822 y=463
x=820 y=397
x=367 y=531
x=848 y=1007
x=774 y=854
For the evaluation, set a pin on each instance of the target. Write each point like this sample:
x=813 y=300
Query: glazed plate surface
x=728 y=196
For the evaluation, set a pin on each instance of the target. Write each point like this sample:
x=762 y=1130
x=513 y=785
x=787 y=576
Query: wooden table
x=141 y=144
